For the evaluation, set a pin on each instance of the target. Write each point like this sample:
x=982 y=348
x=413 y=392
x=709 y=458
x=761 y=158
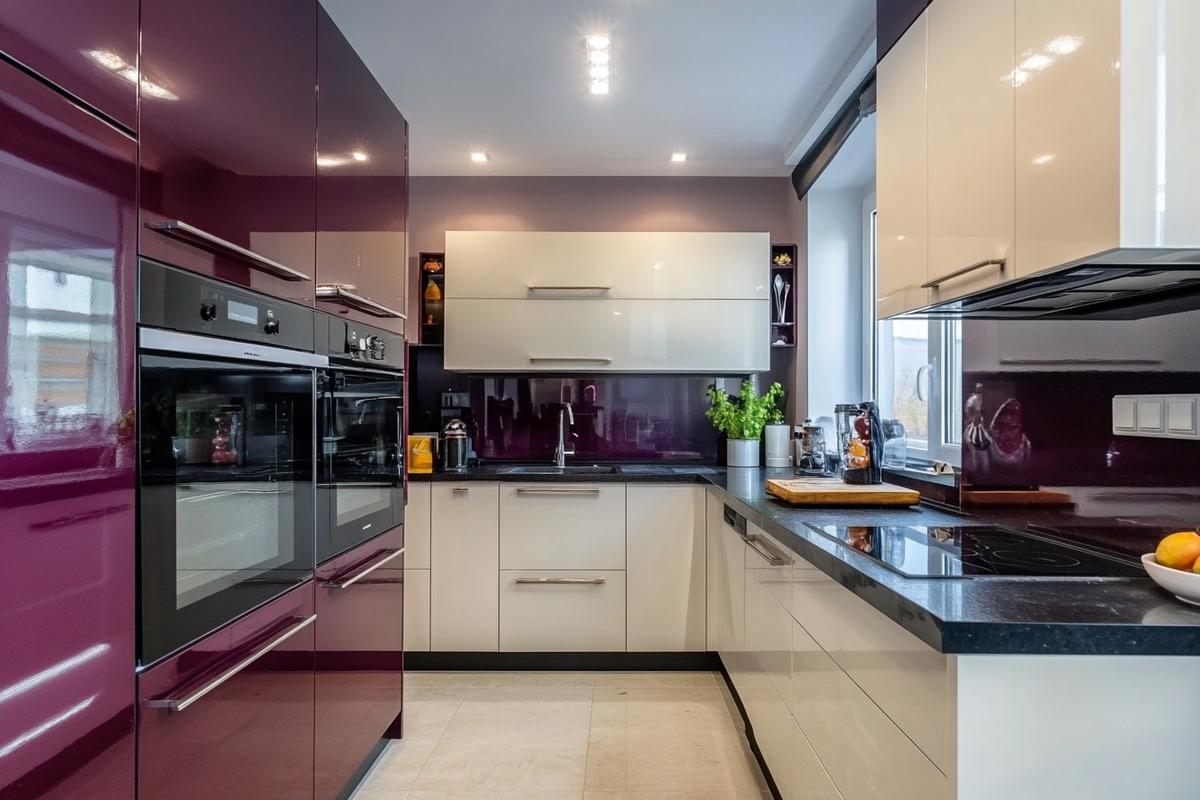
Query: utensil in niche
x=787 y=287
x=778 y=298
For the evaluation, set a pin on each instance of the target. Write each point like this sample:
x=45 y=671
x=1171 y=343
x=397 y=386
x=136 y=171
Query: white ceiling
x=732 y=82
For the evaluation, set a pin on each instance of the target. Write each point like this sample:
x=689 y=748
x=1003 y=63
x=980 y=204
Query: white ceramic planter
x=778 y=443
x=742 y=453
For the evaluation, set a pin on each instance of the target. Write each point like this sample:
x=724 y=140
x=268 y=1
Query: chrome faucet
x=561 y=452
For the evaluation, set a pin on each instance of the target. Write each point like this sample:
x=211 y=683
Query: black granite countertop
x=968 y=616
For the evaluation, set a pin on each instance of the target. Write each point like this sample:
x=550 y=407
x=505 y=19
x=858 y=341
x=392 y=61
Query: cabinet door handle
x=461 y=489
x=563 y=581
x=347 y=583
x=336 y=293
x=560 y=360
x=534 y=288
x=219 y=247
x=559 y=490
x=181 y=703
x=958 y=273
x=772 y=556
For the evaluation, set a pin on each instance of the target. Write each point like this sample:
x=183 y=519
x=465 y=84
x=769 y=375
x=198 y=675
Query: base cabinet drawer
x=567 y=526
x=562 y=611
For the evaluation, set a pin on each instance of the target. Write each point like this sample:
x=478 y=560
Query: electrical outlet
x=1157 y=416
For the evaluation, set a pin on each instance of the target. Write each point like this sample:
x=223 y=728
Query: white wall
x=835 y=307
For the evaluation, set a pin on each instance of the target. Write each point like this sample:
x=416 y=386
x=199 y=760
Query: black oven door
x=225 y=491
x=361 y=455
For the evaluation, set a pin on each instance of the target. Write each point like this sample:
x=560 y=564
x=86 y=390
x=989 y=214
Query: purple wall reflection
x=617 y=418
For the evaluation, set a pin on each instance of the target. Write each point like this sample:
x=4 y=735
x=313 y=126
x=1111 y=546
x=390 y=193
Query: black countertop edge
x=963 y=616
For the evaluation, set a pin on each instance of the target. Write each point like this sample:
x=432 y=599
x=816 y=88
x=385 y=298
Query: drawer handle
x=336 y=293
x=346 y=584
x=461 y=489
x=560 y=360
x=563 y=581
x=559 y=490
x=181 y=703
x=772 y=556
x=219 y=247
x=958 y=273
x=569 y=288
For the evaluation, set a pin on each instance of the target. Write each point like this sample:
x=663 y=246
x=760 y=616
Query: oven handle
x=189 y=344
x=181 y=703
x=346 y=584
x=363 y=484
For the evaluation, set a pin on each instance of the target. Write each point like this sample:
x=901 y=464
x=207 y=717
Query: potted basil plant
x=741 y=418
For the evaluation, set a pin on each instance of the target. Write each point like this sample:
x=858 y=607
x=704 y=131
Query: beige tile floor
x=565 y=736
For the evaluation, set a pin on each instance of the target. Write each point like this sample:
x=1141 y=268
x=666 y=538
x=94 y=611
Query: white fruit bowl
x=1184 y=585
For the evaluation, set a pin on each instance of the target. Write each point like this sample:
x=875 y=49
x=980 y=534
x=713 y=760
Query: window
x=917 y=375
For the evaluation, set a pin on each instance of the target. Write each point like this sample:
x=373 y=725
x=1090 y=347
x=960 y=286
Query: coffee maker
x=860 y=442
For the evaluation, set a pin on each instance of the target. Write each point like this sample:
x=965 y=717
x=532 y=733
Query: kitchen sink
x=537 y=469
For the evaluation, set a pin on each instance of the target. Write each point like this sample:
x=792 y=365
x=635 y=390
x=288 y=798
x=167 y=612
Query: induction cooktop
x=976 y=551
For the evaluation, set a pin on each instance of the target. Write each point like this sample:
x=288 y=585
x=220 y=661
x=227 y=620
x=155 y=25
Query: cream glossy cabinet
x=416 y=567
x=607 y=302
x=902 y=175
x=607 y=335
x=464 y=566
x=666 y=568
x=726 y=581
x=680 y=266
x=548 y=611
x=562 y=526
x=971 y=151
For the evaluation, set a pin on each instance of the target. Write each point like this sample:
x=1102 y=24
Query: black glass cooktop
x=976 y=551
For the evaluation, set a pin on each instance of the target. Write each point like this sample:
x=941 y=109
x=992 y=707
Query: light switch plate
x=1157 y=416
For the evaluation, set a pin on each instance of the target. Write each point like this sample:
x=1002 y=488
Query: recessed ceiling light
x=599 y=73
x=479 y=157
x=679 y=158
x=598 y=42
x=359 y=155
x=598 y=57
x=599 y=87
x=1046 y=159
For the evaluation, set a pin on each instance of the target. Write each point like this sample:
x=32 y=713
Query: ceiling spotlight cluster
x=599 y=62
x=1033 y=63
x=114 y=63
x=340 y=160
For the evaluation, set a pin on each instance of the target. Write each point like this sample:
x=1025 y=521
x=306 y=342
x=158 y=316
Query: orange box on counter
x=420 y=454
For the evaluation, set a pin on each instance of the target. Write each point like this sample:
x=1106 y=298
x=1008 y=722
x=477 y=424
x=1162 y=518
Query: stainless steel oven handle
x=218 y=246
x=563 y=581
x=181 y=703
x=189 y=344
x=760 y=545
x=346 y=584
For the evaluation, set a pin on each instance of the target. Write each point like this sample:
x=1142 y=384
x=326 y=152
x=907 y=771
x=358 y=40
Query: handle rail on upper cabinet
x=227 y=250
x=336 y=293
x=562 y=360
x=345 y=583
x=181 y=703
x=936 y=282
x=588 y=289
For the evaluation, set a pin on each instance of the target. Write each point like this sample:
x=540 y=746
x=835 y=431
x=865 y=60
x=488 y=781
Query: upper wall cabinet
x=607 y=302
x=970 y=101
x=902 y=175
x=362 y=188
x=228 y=148
x=534 y=265
x=89 y=49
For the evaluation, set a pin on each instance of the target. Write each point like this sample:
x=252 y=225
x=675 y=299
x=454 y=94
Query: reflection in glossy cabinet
x=360 y=654
x=902 y=179
x=88 y=49
x=970 y=78
x=251 y=735
x=1068 y=142
x=362 y=184
x=67 y=209
x=464 y=561
x=234 y=156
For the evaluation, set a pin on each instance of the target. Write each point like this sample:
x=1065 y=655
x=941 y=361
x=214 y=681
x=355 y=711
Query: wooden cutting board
x=833 y=492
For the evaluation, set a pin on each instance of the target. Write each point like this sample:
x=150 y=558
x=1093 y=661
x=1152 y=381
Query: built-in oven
x=360 y=427
x=226 y=382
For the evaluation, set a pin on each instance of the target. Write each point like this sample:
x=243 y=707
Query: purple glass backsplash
x=1038 y=419
x=617 y=418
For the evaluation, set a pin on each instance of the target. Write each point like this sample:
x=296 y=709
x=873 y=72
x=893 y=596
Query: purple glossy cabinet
x=360 y=654
x=230 y=154
x=67 y=215
x=232 y=715
x=362 y=188
x=87 y=48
